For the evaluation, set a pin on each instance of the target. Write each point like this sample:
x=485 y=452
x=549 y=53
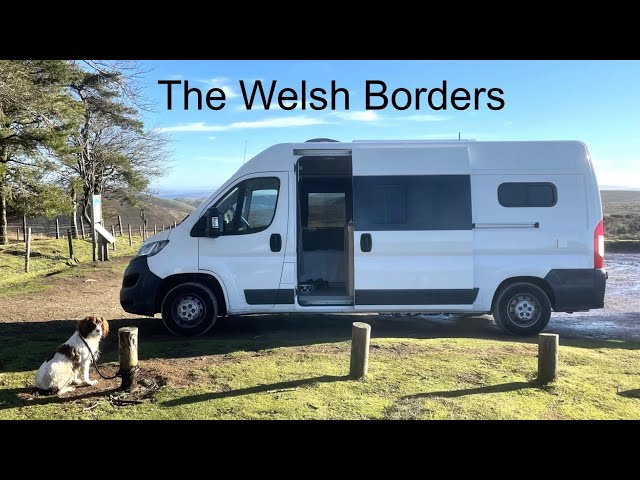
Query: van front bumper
x=139 y=288
x=576 y=289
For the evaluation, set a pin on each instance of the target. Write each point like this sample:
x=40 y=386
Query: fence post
x=547 y=357
x=70 y=239
x=163 y=227
x=113 y=234
x=155 y=229
x=28 y=250
x=82 y=227
x=57 y=229
x=360 y=335
x=129 y=234
x=175 y=224
x=24 y=228
x=18 y=234
x=128 y=356
x=120 y=224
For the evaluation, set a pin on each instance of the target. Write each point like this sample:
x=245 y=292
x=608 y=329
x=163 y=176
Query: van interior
x=325 y=231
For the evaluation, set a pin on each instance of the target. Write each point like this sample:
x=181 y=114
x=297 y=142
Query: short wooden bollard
x=129 y=234
x=155 y=229
x=28 y=250
x=128 y=356
x=163 y=227
x=547 y=357
x=360 y=335
x=70 y=240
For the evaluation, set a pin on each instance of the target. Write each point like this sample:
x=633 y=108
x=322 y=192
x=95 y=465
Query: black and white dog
x=63 y=370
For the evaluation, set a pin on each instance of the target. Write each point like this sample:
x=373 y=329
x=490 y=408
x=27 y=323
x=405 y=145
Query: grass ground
x=295 y=367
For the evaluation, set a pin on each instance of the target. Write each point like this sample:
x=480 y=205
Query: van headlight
x=152 y=248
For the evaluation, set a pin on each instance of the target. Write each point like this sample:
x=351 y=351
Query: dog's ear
x=85 y=326
x=105 y=327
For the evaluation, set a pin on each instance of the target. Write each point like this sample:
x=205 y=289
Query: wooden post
x=105 y=254
x=24 y=228
x=547 y=357
x=18 y=234
x=120 y=224
x=82 y=227
x=100 y=249
x=28 y=250
x=128 y=356
x=360 y=335
x=57 y=229
x=113 y=234
x=129 y=234
x=163 y=227
x=141 y=231
x=155 y=229
x=70 y=239
x=175 y=224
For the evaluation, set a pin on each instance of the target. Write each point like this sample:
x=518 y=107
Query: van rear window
x=527 y=194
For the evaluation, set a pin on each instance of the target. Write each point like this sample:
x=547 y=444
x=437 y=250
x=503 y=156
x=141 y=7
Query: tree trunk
x=74 y=218
x=4 y=228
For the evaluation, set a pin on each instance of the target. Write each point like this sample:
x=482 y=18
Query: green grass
x=438 y=378
x=48 y=257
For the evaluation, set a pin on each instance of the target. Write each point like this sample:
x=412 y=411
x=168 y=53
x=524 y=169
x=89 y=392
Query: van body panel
x=412 y=251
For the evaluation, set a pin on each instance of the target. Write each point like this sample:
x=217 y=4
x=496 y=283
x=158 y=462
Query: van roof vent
x=321 y=140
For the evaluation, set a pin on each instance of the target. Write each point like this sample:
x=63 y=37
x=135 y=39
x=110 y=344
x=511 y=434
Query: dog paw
x=77 y=382
x=91 y=382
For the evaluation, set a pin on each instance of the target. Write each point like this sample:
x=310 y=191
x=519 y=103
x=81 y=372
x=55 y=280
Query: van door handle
x=275 y=242
x=366 y=242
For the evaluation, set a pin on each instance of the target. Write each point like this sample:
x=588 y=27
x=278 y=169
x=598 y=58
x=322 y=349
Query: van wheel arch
x=209 y=281
x=537 y=281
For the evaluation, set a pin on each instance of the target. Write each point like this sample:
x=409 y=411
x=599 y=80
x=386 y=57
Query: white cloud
x=282 y=122
x=362 y=116
x=223 y=83
x=426 y=117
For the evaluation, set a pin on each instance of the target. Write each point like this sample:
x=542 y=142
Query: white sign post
x=96 y=218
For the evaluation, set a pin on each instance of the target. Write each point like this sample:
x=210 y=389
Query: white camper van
x=509 y=228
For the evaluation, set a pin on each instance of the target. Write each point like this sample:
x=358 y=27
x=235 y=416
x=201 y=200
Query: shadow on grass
x=630 y=393
x=25 y=345
x=273 y=388
x=503 y=387
x=9 y=397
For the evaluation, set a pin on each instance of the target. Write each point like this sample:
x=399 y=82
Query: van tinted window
x=250 y=206
x=529 y=194
x=416 y=202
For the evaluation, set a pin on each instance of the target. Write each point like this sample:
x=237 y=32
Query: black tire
x=189 y=309
x=522 y=309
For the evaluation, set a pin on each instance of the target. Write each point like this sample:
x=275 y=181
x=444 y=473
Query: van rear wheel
x=189 y=309
x=522 y=309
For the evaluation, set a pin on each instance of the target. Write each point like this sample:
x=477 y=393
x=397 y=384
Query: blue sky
x=597 y=102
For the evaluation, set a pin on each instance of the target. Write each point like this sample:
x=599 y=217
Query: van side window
x=527 y=194
x=327 y=210
x=250 y=206
x=412 y=202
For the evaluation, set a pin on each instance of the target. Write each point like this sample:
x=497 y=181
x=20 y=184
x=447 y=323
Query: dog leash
x=118 y=374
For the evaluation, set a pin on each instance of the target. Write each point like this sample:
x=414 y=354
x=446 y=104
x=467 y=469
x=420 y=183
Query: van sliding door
x=413 y=238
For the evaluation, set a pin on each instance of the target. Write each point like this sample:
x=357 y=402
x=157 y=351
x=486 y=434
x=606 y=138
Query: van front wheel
x=522 y=309
x=189 y=309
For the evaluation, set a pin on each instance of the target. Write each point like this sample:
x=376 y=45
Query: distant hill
x=621 y=213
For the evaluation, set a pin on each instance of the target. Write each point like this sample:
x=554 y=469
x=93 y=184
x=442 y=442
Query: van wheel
x=189 y=309
x=522 y=309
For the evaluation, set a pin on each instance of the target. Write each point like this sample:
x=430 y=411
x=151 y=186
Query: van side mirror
x=214 y=225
